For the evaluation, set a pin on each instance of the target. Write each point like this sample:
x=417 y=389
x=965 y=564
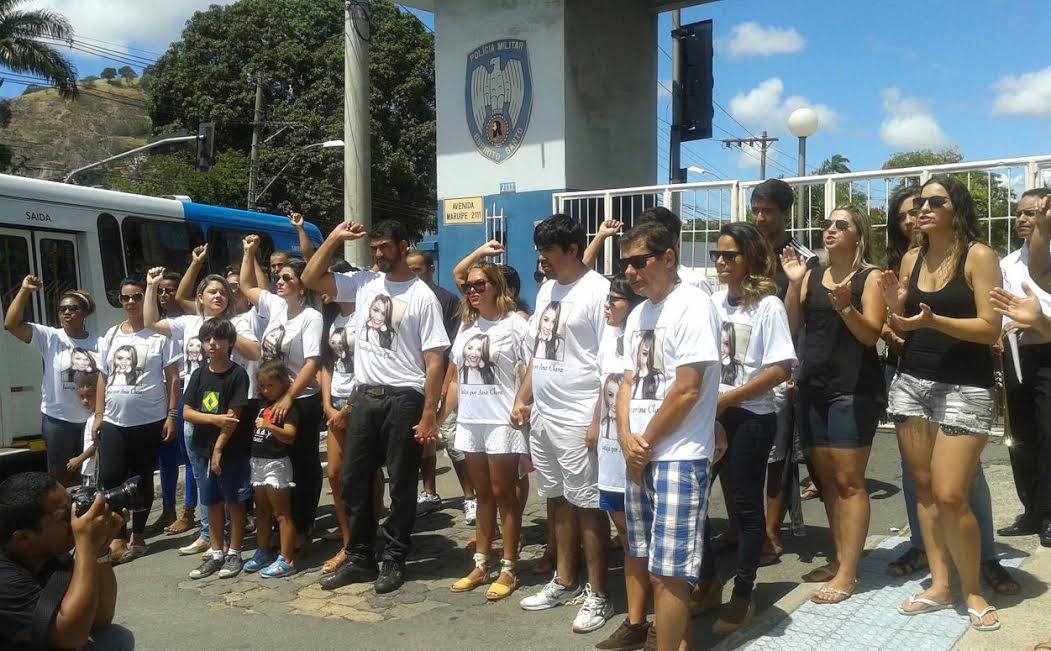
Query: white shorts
x=565 y=467
x=276 y=473
x=490 y=439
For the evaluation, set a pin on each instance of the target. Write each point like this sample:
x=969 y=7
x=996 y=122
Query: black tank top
x=933 y=355
x=834 y=361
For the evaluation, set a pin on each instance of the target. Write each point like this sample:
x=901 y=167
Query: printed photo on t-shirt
x=76 y=359
x=733 y=343
x=382 y=320
x=650 y=380
x=551 y=331
x=272 y=346
x=341 y=342
x=127 y=364
x=610 y=389
x=477 y=367
x=192 y=355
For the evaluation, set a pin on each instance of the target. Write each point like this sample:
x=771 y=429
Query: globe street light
x=803 y=124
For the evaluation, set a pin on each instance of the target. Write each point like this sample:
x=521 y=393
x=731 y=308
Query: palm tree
x=837 y=164
x=23 y=51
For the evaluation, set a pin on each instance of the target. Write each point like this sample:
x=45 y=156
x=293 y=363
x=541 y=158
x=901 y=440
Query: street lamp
x=803 y=124
x=696 y=170
x=328 y=144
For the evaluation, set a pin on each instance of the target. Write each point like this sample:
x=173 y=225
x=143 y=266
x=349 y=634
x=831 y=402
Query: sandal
x=810 y=493
x=129 y=554
x=827 y=595
x=336 y=562
x=822 y=574
x=999 y=579
x=1042 y=646
x=707 y=596
x=466 y=584
x=929 y=606
x=724 y=626
x=185 y=522
x=163 y=521
x=498 y=591
x=980 y=626
x=913 y=560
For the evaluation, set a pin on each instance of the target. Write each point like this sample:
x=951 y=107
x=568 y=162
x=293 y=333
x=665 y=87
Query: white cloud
x=753 y=39
x=748 y=157
x=764 y=107
x=1027 y=94
x=909 y=123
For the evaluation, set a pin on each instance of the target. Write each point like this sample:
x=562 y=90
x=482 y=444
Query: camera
x=117 y=498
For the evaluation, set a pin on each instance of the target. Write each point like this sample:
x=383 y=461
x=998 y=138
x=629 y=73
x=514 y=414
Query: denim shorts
x=844 y=421
x=958 y=409
x=611 y=501
x=232 y=486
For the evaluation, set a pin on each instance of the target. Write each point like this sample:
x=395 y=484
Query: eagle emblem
x=499 y=97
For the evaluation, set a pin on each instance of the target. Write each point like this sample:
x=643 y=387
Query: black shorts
x=64 y=440
x=845 y=421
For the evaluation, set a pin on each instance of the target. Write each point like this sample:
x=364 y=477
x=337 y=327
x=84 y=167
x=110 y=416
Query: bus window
x=14 y=267
x=152 y=243
x=58 y=269
x=112 y=260
x=225 y=248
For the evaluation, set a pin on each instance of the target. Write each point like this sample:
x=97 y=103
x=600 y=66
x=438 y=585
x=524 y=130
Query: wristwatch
x=845 y=310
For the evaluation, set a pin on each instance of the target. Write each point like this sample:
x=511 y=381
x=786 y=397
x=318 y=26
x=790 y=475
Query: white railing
x=995 y=184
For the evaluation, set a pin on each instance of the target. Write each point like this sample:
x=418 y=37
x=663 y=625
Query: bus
x=72 y=236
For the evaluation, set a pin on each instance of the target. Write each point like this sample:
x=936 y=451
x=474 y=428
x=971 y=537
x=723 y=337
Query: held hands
x=336 y=419
x=793 y=265
x=154 y=276
x=32 y=284
x=609 y=228
x=348 y=232
x=519 y=416
x=199 y=254
x=893 y=292
x=840 y=297
x=925 y=319
x=250 y=244
x=1024 y=312
x=93 y=531
x=426 y=431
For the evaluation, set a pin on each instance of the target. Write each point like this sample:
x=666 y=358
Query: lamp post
x=696 y=170
x=328 y=144
x=803 y=124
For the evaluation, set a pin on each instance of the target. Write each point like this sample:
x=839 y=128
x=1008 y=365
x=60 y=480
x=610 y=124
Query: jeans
x=111 y=638
x=306 y=462
x=64 y=440
x=198 y=468
x=379 y=430
x=981 y=504
x=750 y=437
x=126 y=452
x=171 y=457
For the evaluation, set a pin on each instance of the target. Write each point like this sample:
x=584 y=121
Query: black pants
x=750 y=437
x=379 y=431
x=126 y=452
x=1030 y=412
x=306 y=464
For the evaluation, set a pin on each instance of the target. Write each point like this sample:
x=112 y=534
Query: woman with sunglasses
x=942 y=399
x=132 y=420
x=62 y=416
x=492 y=447
x=756 y=328
x=300 y=350
x=841 y=389
x=167 y=289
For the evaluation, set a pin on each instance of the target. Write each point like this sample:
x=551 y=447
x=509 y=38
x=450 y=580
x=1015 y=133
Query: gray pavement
x=168 y=610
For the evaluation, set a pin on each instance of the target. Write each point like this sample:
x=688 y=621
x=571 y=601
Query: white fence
x=704 y=207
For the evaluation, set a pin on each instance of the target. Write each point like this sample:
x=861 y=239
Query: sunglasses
x=936 y=201
x=287 y=278
x=165 y=290
x=130 y=298
x=68 y=309
x=638 y=262
x=233 y=285
x=840 y=224
x=477 y=287
x=726 y=256
x=613 y=298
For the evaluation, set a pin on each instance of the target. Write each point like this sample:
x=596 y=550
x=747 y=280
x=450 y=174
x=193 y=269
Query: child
x=272 y=475
x=215 y=394
x=84 y=463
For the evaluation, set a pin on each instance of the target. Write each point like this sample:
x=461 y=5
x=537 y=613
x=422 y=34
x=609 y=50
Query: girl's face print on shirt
x=127 y=364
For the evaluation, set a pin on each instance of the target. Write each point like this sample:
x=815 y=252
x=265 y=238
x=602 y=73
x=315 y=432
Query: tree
x=108 y=74
x=837 y=164
x=298 y=46
x=23 y=51
x=923 y=158
x=127 y=73
x=175 y=173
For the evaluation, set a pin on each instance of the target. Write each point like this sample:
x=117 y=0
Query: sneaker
x=551 y=595
x=627 y=637
x=207 y=568
x=427 y=503
x=259 y=560
x=232 y=566
x=470 y=511
x=651 y=638
x=594 y=612
x=278 y=569
x=392 y=575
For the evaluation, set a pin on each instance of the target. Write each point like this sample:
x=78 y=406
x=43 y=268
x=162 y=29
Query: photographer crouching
x=57 y=588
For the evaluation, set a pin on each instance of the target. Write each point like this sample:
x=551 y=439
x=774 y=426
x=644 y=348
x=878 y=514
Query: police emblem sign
x=499 y=97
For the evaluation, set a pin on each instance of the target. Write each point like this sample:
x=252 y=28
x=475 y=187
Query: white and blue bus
x=71 y=236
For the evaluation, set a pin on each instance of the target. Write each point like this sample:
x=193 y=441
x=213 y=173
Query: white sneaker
x=427 y=503
x=552 y=595
x=593 y=614
x=470 y=511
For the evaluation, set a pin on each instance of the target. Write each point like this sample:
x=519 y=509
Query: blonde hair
x=505 y=303
x=863 y=253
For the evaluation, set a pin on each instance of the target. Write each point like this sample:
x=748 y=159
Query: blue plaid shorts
x=666 y=517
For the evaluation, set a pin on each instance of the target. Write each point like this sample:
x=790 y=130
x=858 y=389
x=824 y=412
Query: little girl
x=272 y=475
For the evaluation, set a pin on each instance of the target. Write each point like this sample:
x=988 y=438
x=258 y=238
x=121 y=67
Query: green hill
x=50 y=136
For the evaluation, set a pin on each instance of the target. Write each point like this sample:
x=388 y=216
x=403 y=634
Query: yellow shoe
x=498 y=591
x=466 y=584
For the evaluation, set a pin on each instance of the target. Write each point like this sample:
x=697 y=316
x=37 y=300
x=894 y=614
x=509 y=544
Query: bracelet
x=173 y=413
x=846 y=310
x=105 y=559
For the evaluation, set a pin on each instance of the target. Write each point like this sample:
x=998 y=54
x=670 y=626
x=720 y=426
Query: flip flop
x=999 y=579
x=929 y=606
x=836 y=595
x=1042 y=646
x=908 y=563
x=985 y=628
x=821 y=574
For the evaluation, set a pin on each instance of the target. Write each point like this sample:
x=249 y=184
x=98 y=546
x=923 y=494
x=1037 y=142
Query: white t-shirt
x=292 y=341
x=87 y=469
x=485 y=355
x=1015 y=269
x=63 y=356
x=750 y=340
x=395 y=323
x=565 y=331
x=611 y=475
x=679 y=330
x=249 y=327
x=697 y=277
x=340 y=343
x=134 y=368
x=185 y=331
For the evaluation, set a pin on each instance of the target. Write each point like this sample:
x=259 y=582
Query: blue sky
x=884 y=75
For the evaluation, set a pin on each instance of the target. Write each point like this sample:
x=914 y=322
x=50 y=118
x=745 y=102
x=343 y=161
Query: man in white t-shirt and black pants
x=666 y=420
x=398 y=362
x=562 y=383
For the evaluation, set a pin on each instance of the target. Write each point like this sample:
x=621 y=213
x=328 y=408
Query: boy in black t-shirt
x=215 y=395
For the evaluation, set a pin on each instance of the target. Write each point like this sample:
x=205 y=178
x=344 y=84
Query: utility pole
x=763 y=143
x=257 y=132
x=357 y=153
x=675 y=174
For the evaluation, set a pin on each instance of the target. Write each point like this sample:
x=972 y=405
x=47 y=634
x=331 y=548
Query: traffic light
x=205 y=146
x=695 y=55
